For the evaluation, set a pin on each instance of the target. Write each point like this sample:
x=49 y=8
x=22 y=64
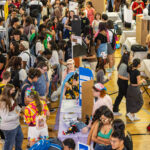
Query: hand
x=144 y=81
x=85 y=130
x=75 y=82
x=84 y=57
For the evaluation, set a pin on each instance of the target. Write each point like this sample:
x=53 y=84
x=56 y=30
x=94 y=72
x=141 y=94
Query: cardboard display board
x=142 y=30
x=99 y=5
x=87 y=99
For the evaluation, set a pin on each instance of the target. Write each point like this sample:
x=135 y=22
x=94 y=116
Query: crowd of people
x=37 y=68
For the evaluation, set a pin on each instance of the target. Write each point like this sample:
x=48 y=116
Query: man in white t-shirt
x=25 y=54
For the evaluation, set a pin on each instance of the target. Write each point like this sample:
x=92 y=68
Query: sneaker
x=117 y=114
x=130 y=116
x=136 y=118
x=52 y=110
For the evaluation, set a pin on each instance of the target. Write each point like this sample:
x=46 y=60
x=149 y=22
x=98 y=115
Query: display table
x=145 y=67
x=113 y=16
x=126 y=34
x=128 y=43
x=69 y=107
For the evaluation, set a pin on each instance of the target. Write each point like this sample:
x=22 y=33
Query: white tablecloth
x=126 y=34
x=128 y=43
x=145 y=67
x=113 y=16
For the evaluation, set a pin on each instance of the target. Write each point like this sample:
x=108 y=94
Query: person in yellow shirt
x=6 y=78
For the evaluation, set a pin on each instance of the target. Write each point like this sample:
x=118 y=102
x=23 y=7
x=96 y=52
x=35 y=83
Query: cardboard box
x=99 y=5
x=142 y=30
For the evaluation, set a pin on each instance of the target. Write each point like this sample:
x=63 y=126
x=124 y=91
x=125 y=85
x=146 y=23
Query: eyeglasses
x=104 y=120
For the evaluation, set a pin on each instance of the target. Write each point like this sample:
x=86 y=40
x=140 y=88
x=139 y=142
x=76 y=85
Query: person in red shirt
x=16 y=3
x=137 y=8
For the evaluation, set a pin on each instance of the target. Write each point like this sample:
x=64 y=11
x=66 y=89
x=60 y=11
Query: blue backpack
x=46 y=145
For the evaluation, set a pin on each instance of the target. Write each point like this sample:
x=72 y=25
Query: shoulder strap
x=24 y=85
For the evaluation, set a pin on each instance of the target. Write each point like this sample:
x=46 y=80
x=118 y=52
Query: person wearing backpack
x=18 y=74
x=35 y=7
x=111 y=45
x=33 y=75
x=25 y=55
x=35 y=117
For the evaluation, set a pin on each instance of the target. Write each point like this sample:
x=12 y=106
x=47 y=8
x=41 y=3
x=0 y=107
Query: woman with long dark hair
x=100 y=76
x=10 y=124
x=14 y=49
x=134 y=100
x=122 y=82
x=102 y=131
x=90 y=59
x=101 y=42
x=90 y=11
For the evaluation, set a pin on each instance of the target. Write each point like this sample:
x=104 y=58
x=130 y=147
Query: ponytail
x=35 y=95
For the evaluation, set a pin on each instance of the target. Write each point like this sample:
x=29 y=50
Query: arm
x=90 y=133
x=122 y=77
x=139 y=80
x=5 y=116
x=135 y=8
x=97 y=139
x=24 y=64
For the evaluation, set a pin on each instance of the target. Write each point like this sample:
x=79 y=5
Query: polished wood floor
x=140 y=136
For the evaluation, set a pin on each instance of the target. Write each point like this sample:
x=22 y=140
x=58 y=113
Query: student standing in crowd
x=33 y=76
x=35 y=116
x=137 y=8
x=10 y=124
x=90 y=11
x=101 y=42
x=134 y=101
x=102 y=131
x=123 y=77
x=95 y=23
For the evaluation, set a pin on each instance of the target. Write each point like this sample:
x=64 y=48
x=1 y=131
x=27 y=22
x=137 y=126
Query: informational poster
x=83 y=146
x=73 y=6
x=128 y=15
x=85 y=74
x=78 y=47
x=6 y=10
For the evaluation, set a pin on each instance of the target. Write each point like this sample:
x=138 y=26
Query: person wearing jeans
x=10 y=124
x=13 y=137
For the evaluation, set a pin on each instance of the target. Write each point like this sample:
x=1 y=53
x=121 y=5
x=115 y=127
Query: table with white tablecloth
x=145 y=67
x=71 y=108
x=126 y=34
x=113 y=16
x=128 y=44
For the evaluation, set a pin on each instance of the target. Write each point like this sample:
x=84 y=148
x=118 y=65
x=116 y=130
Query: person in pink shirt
x=101 y=99
x=99 y=92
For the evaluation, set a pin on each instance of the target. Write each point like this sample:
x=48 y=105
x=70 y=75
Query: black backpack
x=35 y=10
x=15 y=78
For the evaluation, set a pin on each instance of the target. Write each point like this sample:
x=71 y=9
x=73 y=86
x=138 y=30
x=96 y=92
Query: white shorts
x=35 y=135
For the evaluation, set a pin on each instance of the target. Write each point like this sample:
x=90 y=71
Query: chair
x=145 y=87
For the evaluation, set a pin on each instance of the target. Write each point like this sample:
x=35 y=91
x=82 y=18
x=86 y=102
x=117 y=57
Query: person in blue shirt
x=33 y=76
x=42 y=85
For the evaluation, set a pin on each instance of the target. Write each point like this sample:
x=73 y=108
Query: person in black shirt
x=14 y=25
x=2 y=64
x=117 y=140
x=134 y=100
x=84 y=21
